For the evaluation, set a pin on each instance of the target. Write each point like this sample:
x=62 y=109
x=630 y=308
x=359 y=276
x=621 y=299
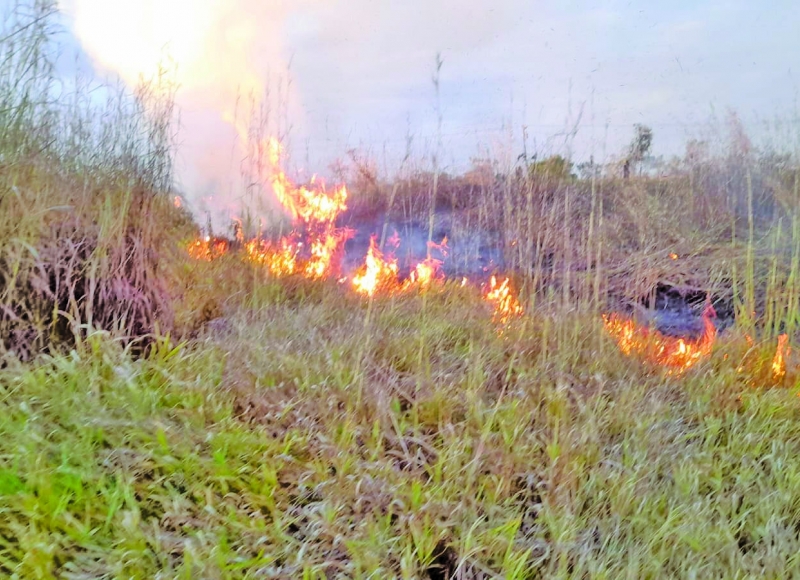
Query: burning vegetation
x=779 y=360
x=676 y=354
x=207 y=249
x=314 y=247
x=503 y=300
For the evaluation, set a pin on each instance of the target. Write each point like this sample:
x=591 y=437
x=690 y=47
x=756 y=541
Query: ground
x=311 y=434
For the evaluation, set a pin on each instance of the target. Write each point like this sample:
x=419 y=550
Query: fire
x=505 y=303
x=424 y=273
x=322 y=253
x=313 y=244
x=677 y=354
x=309 y=206
x=314 y=211
x=779 y=360
x=281 y=260
x=673 y=256
x=427 y=271
x=376 y=273
x=207 y=249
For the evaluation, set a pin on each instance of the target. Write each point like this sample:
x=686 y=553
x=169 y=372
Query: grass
x=302 y=441
x=289 y=429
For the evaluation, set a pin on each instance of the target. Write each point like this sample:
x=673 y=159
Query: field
x=172 y=411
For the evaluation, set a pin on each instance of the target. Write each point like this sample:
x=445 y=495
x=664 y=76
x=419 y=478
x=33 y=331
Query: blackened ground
x=468 y=253
x=677 y=312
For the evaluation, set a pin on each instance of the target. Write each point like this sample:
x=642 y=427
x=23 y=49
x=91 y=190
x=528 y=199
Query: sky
x=359 y=74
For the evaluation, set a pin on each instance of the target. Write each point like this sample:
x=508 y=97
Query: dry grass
x=86 y=227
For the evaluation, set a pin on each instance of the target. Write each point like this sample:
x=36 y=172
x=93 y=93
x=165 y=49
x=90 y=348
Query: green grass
x=302 y=439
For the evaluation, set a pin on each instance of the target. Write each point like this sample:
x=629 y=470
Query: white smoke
x=227 y=59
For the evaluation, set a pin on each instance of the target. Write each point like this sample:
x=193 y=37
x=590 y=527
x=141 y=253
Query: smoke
x=361 y=74
x=229 y=62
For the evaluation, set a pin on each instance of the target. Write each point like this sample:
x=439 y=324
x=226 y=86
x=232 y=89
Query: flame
x=505 y=303
x=427 y=271
x=314 y=205
x=207 y=249
x=323 y=249
x=424 y=273
x=281 y=260
x=779 y=360
x=677 y=354
x=376 y=273
x=313 y=211
x=673 y=256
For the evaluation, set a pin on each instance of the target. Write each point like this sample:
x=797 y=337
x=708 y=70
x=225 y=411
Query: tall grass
x=87 y=223
x=721 y=224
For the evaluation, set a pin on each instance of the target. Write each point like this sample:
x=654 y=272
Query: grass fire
x=240 y=340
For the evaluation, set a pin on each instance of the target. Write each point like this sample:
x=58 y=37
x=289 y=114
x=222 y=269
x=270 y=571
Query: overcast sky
x=361 y=70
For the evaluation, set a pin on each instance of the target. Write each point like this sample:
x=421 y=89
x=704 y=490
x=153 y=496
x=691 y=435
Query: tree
x=553 y=167
x=639 y=148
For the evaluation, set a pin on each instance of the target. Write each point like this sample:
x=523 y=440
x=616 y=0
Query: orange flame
x=424 y=273
x=677 y=354
x=505 y=303
x=376 y=273
x=306 y=205
x=779 y=360
x=428 y=270
x=323 y=249
x=207 y=249
x=281 y=260
x=313 y=210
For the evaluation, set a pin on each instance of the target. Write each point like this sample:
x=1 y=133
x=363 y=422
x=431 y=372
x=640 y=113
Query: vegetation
x=165 y=417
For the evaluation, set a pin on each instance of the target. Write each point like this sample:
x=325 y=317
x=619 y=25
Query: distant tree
x=740 y=146
x=553 y=167
x=639 y=147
